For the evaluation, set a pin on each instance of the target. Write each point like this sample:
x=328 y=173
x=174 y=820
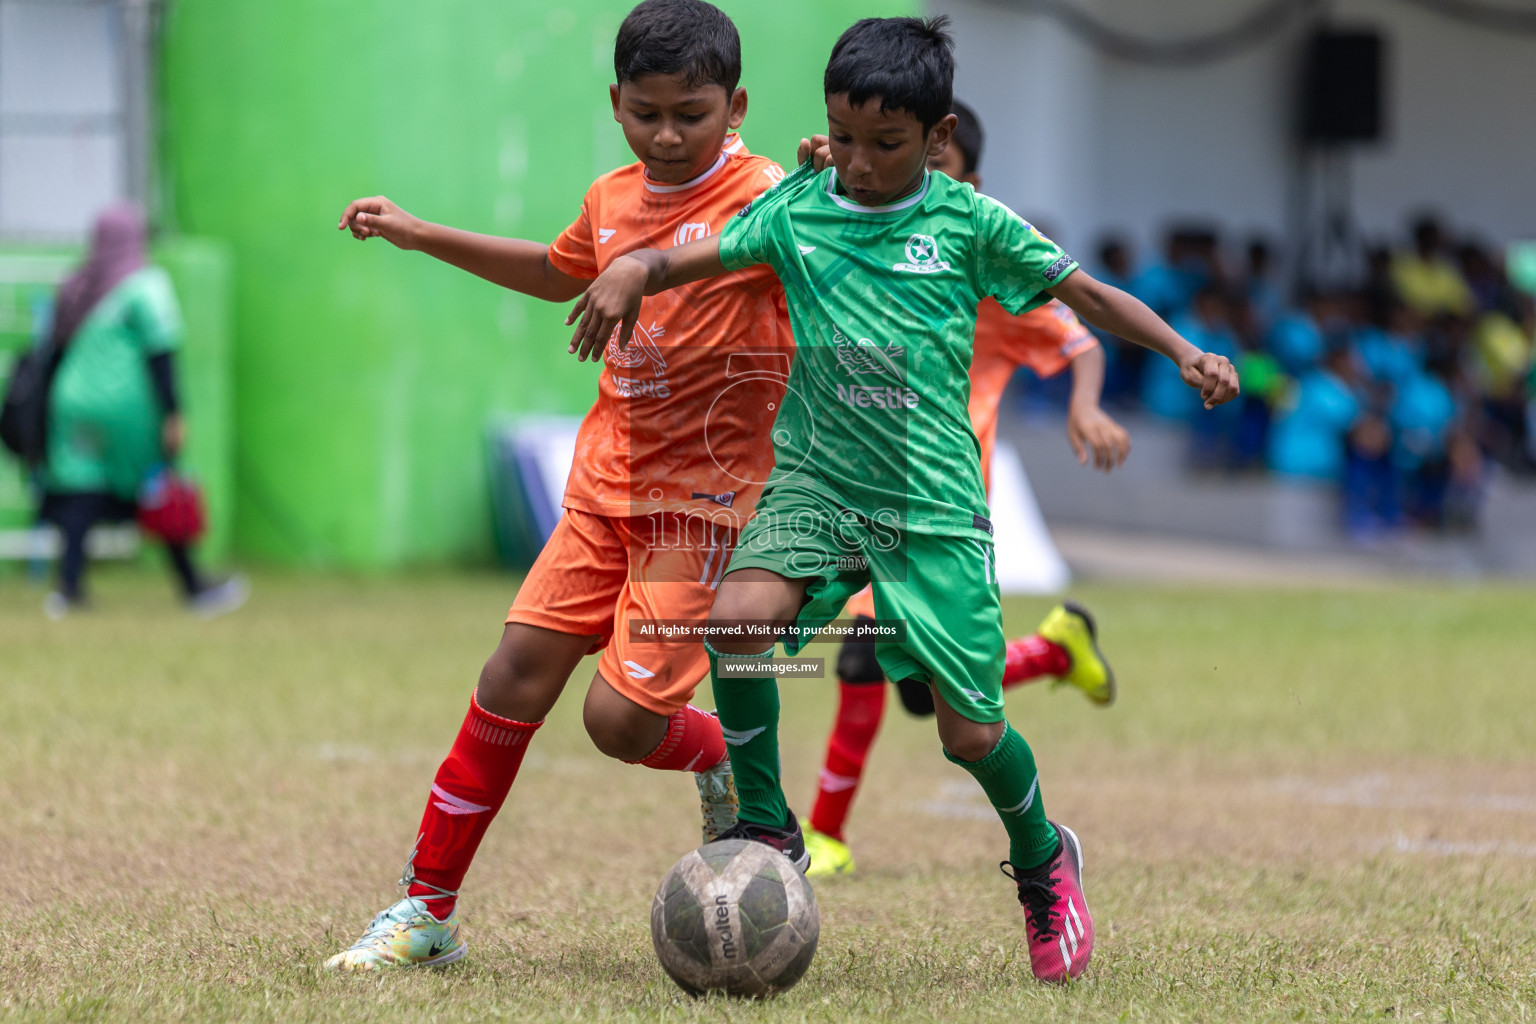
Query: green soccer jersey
x=882 y=301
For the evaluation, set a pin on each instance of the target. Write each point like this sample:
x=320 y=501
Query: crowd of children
x=1403 y=390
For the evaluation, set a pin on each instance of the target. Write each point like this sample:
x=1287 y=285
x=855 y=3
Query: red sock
x=860 y=707
x=470 y=787
x=693 y=743
x=1033 y=656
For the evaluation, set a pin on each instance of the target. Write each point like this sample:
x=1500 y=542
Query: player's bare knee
x=618 y=735
x=727 y=616
x=523 y=677
x=752 y=596
x=968 y=740
x=497 y=685
x=505 y=672
x=618 y=726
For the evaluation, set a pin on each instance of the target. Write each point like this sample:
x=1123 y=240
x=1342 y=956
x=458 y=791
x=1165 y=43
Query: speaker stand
x=1330 y=253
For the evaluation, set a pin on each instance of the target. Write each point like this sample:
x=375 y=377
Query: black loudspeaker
x=1341 y=87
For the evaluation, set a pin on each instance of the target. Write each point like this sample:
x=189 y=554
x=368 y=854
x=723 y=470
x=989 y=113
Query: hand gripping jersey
x=1045 y=339
x=678 y=421
x=883 y=304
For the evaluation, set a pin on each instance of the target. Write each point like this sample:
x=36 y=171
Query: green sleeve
x=1015 y=262
x=750 y=236
x=155 y=313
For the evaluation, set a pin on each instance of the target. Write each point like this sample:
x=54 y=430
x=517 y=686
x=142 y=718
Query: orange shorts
x=598 y=573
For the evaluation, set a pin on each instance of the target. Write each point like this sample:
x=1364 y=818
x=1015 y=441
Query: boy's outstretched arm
x=1091 y=430
x=510 y=262
x=613 y=300
x=1119 y=313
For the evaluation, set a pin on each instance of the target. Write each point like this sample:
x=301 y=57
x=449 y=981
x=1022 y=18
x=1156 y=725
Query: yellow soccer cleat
x=828 y=856
x=1070 y=627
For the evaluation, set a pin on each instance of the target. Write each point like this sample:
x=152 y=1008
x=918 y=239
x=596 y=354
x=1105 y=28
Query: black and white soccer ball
x=735 y=917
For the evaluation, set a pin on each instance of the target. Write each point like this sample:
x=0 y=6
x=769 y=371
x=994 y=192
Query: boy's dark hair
x=909 y=63
x=687 y=37
x=968 y=135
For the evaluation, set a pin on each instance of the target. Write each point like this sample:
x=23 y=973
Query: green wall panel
x=364 y=377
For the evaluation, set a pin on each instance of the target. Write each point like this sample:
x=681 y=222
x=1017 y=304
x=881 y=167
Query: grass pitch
x=1307 y=805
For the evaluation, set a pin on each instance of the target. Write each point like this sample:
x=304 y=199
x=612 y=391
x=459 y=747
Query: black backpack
x=24 y=413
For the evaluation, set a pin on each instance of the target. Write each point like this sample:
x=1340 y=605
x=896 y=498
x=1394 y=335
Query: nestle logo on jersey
x=875 y=396
x=628 y=387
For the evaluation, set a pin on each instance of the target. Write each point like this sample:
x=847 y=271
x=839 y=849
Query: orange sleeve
x=574 y=252
x=1047 y=339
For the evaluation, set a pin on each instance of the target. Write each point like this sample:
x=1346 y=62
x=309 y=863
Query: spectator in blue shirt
x=1296 y=338
x=1307 y=440
x=1266 y=299
x=1208 y=325
x=1425 y=417
x=1390 y=351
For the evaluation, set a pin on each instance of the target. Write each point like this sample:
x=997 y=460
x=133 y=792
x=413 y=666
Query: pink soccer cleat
x=1060 y=927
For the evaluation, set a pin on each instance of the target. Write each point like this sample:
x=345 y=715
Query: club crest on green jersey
x=922 y=256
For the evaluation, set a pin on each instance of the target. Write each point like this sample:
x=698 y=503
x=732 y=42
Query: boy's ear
x=738 y=108
x=940 y=134
x=613 y=96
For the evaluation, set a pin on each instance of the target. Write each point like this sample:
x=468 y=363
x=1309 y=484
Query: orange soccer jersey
x=678 y=421
x=1046 y=339
x=672 y=456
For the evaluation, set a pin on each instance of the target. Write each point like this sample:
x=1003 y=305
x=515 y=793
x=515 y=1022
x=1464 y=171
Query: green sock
x=749 y=717
x=1011 y=781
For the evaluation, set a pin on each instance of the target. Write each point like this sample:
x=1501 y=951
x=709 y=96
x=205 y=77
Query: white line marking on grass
x=1454 y=848
x=1378 y=790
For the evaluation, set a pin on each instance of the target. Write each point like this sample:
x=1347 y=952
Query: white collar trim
x=691 y=182
x=849 y=204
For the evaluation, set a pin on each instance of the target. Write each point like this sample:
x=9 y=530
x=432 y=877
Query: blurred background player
x=114 y=416
x=651 y=509
x=1047 y=340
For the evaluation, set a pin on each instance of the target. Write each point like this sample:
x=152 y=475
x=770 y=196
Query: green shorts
x=944 y=588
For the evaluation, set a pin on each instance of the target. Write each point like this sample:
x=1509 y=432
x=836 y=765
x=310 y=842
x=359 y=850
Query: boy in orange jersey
x=656 y=494
x=1047 y=340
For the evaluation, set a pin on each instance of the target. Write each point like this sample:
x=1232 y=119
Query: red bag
x=171 y=508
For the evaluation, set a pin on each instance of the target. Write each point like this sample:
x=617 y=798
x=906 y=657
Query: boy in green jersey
x=877 y=477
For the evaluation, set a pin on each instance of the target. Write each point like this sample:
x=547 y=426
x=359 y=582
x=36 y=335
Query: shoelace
x=408 y=878
x=1038 y=898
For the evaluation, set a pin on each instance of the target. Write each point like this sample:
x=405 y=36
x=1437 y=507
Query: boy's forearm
x=656 y=263
x=513 y=263
x=1088 y=377
x=1121 y=314
x=680 y=265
